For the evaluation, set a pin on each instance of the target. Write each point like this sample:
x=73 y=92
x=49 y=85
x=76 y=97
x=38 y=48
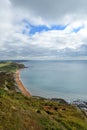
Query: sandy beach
x=20 y=84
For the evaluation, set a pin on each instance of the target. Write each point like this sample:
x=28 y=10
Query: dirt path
x=20 y=84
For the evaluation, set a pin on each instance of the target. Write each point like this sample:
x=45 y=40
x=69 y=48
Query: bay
x=56 y=79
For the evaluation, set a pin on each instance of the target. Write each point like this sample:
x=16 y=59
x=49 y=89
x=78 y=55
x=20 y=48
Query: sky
x=43 y=29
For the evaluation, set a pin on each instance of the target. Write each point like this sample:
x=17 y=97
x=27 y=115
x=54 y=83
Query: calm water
x=58 y=79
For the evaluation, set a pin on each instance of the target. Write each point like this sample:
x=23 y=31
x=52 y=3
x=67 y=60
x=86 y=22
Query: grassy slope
x=7 y=70
x=21 y=113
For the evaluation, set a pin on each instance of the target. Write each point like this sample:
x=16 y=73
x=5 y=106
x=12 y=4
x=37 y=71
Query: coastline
x=20 y=85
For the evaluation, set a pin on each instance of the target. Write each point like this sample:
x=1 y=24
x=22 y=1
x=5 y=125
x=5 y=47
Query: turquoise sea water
x=56 y=79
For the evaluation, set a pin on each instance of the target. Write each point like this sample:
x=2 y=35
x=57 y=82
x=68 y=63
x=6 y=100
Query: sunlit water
x=56 y=79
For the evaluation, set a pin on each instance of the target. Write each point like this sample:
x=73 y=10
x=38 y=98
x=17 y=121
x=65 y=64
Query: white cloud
x=53 y=11
x=52 y=43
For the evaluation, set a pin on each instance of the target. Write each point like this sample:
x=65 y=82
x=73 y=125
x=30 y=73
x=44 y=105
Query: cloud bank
x=43 y=29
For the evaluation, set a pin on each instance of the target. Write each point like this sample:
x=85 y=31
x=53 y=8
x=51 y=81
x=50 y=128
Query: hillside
x=7 y=70
x=18 y=112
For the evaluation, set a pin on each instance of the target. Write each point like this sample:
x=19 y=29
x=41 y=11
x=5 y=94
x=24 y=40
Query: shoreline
x=20 y=85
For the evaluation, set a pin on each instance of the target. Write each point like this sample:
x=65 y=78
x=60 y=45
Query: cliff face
x=18 y=112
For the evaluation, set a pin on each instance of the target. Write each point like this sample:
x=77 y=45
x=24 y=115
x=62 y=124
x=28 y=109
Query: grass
x=4 y=64
x=18 y=112
x=10 y=66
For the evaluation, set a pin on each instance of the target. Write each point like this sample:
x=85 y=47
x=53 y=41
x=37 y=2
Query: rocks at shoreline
x=59 y=100
x=81 y=104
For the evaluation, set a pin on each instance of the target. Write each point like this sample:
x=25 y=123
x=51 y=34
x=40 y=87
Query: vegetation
x=18 y=112
x=7 y=81
x=21 y=113
x=10 y=66
x=7 y=70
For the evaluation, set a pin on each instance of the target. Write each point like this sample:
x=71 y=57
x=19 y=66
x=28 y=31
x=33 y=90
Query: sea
x=56 y=79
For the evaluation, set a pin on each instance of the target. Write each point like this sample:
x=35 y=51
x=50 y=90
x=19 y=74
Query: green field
x=10 y=66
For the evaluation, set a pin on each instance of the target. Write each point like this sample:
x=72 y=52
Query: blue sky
x=43 y=29
x=78 y=29
x=40 y=28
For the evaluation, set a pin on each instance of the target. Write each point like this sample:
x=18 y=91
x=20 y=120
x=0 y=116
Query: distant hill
x=14 y=60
